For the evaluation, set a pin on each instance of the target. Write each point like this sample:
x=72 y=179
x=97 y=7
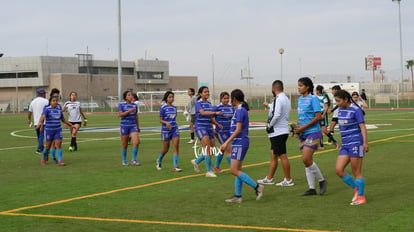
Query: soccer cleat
x=355 y=195
x=266 y=181
x=234 y=199
x=158 y=166
x=196 y=168
x=75 y=147
x=285 y=183
x=124 y=163
x=38 y=152
x=359 y=201
x=55 y=160
x=177 y=169
x=217 y=169
x=191 y=141
x=259 y=191
x=322 y=187
x=210 y=174
x=70 y=148
x=60 y=163
x=309 y=192
x=135 y=163
x=43 y=162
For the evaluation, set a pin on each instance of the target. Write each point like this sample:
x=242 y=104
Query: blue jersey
x=349 y=120
x=168 y=113
x=203 y=122
x=130 y=119
x=240 y=115
x=225 y=118
x=53 y=116
x=307 y=107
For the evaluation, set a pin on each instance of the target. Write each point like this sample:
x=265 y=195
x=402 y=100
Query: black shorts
x=335 y=120
x=193 y=118
x=278 y=144
x=73 y=123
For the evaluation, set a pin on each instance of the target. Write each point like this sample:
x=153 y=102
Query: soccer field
x=95 y=193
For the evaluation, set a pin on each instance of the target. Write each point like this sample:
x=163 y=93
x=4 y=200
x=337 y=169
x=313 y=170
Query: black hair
x=192 y=90
x=166 y=94
x=239 y=96
x=343 y=94
x=222 y=94
x=54 y=91
x=278 y=84
x=320 y=89
x=125 y=94
x=200 y=90
x=306 y=81
x=135 y=96
x=336 y=87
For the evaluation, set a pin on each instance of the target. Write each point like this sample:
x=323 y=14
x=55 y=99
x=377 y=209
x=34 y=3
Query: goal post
x=152 y=101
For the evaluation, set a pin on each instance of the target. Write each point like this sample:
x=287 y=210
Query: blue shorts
x=167 y=135
x=51 y=135
x=311 y=140
x=127 y=130
x=222 y=137
x=204 y=132
x=238 y=152
x=356 y=151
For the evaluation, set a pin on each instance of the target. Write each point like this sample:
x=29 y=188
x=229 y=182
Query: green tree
x=409 y=65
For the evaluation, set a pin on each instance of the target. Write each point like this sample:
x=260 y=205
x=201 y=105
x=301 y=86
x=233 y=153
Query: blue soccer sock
x=248 y=180
x=200 y=159
x=160 y=157
x=208 y=163
x=124 y=155
x=218 y=160
x=59 y=152
x=360 y=184
x=134 y=154
x=53 y=153
x=228 y=158
x=349 y=180
x=175 y=161
x=45 y=154
x=238 y=186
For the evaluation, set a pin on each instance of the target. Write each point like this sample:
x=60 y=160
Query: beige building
x=93 y=80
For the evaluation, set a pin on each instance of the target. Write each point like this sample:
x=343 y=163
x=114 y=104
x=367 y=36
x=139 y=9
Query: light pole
x=281 y=51
x=17 y=89
x=401 y=50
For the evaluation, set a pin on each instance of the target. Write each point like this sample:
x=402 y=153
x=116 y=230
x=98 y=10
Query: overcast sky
x=325 y=38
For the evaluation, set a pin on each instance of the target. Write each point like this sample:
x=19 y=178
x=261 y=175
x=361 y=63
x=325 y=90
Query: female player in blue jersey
x=52 y=116
x=354 y=144
x=129 y=127
x=239 y=139
x=309 y=115
x=222 y=131
x=169 y=130
x=204 y=129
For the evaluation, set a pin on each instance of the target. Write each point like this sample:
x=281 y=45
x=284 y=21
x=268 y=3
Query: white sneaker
x=177 y=169
x=286 y=183
x=234 y=200
x=196 y=168
x=191 y=141
x=211 y=174
x=266 y=181
x=259 y=192
x=158 y=166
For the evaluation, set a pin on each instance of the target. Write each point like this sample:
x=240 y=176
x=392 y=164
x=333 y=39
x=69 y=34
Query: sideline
x=12 y=212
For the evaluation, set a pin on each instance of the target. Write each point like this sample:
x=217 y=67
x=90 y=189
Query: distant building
x=88 y=77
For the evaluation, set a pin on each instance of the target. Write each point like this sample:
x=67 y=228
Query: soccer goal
x=152 y=101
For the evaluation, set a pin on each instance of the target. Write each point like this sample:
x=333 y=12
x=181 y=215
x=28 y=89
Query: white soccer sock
x=316 y=171
x=310 y=177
